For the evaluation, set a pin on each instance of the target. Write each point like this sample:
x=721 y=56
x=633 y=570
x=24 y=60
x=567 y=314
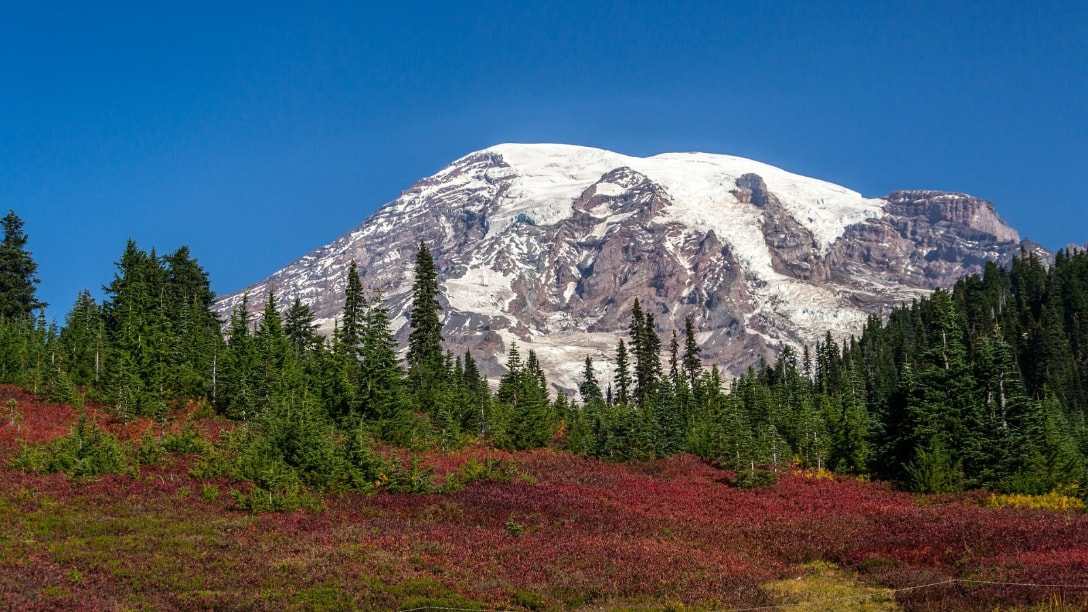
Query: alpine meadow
x=157 y=455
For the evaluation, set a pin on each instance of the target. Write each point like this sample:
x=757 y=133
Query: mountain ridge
x=548 y=245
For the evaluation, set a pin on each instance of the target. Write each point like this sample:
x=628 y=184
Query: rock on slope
x=548 y=246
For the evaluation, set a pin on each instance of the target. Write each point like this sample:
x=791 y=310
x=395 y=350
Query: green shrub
x=472 y=471
x=258 y=499
x=86 y=451
x=188 y=441
x=209 y=493
x=755 y=478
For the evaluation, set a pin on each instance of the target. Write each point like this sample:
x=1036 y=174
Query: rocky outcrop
x=926 y=239
x=794 y=250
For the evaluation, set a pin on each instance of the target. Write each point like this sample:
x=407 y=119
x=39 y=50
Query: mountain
x=548 y=246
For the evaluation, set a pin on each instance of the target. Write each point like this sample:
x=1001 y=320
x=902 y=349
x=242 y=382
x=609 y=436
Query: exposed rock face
x=927 y=239
x=549 y=245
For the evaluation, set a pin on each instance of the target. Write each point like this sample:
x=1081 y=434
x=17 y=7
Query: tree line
x=984 y=385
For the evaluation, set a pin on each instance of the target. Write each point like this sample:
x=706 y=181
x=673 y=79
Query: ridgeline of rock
x=548 y=246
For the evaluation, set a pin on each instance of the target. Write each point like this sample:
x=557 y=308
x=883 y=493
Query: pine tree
x=675 y=377
x=192 y=331
x=350 y=338
x=941 y=403
x=83 y=340
x=240 y=367
x=425 y=339
x=525 y=403
x=590 y=389
x=274 y=352
x=509 y=390
x=187 y=284
x=17 y=271
x=300 y=329
x=623 y=375
x=381 y=377
x=692 y=364
x=478 y=404
x=646 y=347
x=138 y=332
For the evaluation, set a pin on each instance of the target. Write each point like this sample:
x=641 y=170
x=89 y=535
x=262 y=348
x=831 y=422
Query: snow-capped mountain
x=548 y=246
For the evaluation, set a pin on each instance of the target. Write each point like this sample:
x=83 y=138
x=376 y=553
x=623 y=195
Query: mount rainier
x=548 y=246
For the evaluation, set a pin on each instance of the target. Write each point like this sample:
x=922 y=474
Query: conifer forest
x=965 y=403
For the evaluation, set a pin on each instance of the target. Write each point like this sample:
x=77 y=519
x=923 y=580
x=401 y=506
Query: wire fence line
x=880 y=593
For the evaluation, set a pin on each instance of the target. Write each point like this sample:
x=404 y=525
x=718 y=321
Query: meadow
x=531 y=530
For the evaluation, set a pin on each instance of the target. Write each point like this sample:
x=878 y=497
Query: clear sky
x=257 y=133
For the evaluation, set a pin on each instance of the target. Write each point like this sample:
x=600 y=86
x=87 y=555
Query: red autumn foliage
x=569 y=531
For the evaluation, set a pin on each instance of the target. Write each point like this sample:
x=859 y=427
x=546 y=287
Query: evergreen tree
x=381 y=376
x=941 y=403
x=646 y=347
x=139 y=334
x=478 y=402
x=623 y=375
x=674 y=363
x=300 y=329
x=525 y=404
x=350 y=338
x=17 y=271
x=693 y=365
x=589 y=388
x=83 y=340
x=191 y=329
x=274 y=352
x=425 y=339
x=240 y=367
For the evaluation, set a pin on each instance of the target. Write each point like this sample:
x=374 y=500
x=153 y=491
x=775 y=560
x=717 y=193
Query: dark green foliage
x=300 y=329
x=692 y=364
x=162 y=338
x=474 y=397
x=85 y=451
x=425 y=340
x=522 y=404
x=985 y=385
x=429 y=371
x=83 y=340
x=293 y=446
x=239 y=369
x=754 y=478
x=590 y=389
x=646 y=348
x=381 y=378
x=349 y=338
x=17 y=272
x=623 y=375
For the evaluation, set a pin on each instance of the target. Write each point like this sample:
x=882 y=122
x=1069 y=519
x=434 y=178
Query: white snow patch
x=609 y=190
x=549 y=177
x=480 y=290
x=568 y=291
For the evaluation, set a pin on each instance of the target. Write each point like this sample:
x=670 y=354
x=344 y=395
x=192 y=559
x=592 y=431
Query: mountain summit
x=548 y=245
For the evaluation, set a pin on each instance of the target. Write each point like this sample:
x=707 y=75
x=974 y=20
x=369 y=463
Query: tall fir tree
x=300 y=329
x=381 y=377
x=622 y=375
x=18 y=271
x=349 y=339
x=693 y=365
x=425 y=339
x=274 y=351
x=590 y=389
x=239 y=369
x=83 y=340
x=647 y=350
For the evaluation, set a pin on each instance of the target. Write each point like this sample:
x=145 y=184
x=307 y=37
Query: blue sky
x=256 y=133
